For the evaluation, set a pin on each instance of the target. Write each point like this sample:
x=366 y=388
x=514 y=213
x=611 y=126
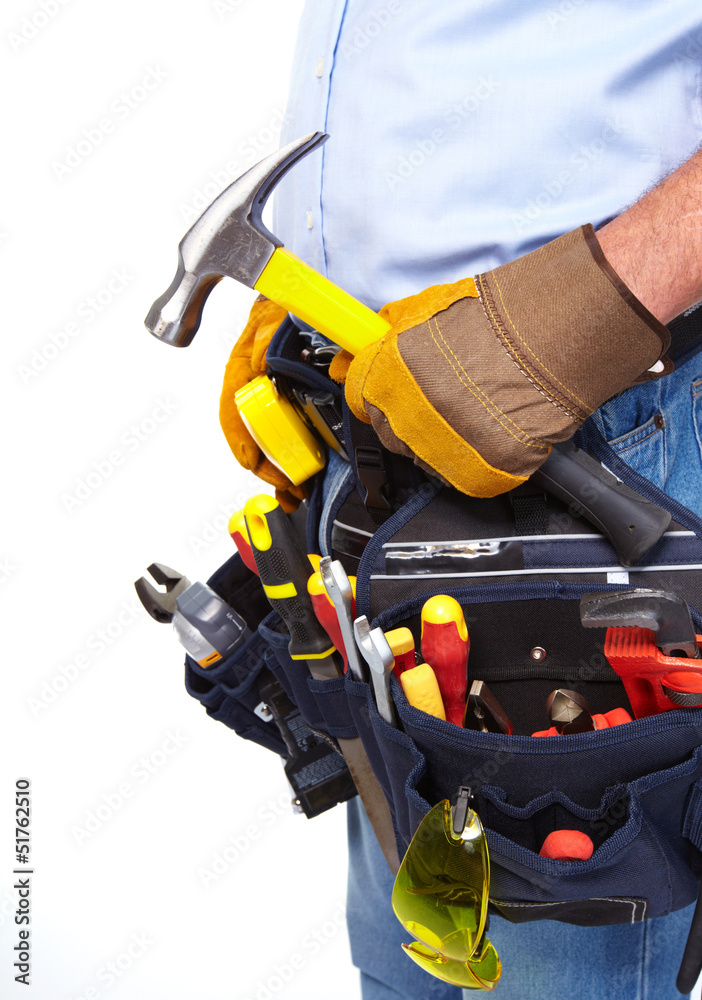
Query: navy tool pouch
x=634 y=789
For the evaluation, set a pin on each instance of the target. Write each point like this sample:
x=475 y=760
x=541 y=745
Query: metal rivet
x=538 y=653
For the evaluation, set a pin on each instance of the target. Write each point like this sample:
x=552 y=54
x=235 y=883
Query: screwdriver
x=237 y=529
x=422 y=690
x=401 y=642
x=283 y=568
x=445 y=646
x=326 y=613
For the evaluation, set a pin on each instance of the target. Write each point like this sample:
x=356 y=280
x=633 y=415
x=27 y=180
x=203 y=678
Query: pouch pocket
x=626 y=787
x=322 y=703
x=229 y=694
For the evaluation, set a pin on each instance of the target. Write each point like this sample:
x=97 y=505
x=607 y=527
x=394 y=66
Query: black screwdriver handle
x=631 y=523
x=284 y=570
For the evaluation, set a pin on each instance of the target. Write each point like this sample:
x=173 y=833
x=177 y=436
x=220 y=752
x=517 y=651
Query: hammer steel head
x=228 y=240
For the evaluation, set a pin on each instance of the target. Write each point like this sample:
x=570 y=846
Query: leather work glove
x=477 y=379
x=247 y=360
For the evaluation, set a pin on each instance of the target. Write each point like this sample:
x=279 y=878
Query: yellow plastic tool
x=401 y=642
x=278 y=427
x=422 y=690
x=279 y=430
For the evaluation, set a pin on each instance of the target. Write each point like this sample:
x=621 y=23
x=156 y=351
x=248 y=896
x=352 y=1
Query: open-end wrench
x=338 y=586
x=379 y=657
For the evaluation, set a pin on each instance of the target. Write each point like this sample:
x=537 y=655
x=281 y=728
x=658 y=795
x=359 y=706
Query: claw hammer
x=230 y=239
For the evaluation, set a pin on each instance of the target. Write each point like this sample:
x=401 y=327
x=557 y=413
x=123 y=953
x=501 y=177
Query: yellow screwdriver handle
x=301 y=290
x=422 y=690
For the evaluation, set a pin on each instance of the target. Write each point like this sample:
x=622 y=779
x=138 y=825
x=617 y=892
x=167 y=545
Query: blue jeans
x=657 y=429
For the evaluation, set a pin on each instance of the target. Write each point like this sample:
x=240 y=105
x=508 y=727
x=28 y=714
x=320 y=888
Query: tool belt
x=518 y=564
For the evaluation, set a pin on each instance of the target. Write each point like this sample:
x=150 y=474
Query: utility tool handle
x=631 y=523
x=284 y=568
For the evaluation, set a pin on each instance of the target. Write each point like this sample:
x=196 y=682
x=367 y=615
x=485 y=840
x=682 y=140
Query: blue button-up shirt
x=464 y=133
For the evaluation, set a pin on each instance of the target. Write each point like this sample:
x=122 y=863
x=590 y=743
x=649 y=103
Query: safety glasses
x=441 y=897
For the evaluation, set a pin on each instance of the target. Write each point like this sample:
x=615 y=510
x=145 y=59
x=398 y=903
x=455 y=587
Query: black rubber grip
x=281 y=564
x=631 y=523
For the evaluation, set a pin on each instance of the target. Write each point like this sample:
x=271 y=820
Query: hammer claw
x=228 y=240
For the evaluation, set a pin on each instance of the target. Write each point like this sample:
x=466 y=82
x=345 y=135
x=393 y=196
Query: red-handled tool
x=651 y=644
x=283 y=568
x=326 y=613
x=567 y=845
x=401 y=642
x=445 y=647
x=615 y=717
x=237 y=529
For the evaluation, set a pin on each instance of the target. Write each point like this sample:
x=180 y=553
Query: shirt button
x=319 y=71
x=309 y=220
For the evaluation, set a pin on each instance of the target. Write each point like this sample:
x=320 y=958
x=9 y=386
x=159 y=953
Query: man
x=465 y=136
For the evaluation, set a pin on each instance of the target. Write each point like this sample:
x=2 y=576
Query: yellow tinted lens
x=441 y=890
x=481 y=973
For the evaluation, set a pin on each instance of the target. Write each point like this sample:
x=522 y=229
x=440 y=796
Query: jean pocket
x=643 y=448
x=696 y=390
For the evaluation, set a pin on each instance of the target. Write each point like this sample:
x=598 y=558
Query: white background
x=113 y=459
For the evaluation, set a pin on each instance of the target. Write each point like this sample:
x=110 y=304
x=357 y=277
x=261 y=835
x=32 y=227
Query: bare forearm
x=656 y=245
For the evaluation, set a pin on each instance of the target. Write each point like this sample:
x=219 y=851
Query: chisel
x=284 y=568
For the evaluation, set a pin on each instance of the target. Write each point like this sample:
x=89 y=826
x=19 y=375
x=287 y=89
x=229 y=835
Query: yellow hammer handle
x=301 y=290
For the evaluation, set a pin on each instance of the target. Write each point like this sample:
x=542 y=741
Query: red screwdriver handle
x=237 y=529
x=445 y=647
